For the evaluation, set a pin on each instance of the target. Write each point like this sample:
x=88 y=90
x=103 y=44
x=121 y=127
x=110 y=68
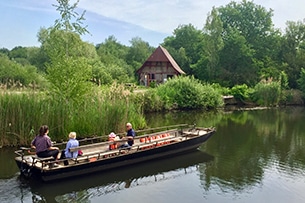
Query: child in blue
x=73 y=142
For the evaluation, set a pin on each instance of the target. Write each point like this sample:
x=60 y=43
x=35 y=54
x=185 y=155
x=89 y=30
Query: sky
x=152 y=21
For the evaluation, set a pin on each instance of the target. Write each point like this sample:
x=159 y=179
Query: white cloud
x=158 y=15
x=166 y=15
x=150 y=20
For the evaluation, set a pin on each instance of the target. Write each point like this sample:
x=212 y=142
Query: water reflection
x=249 y=144
x=83 y=189
x=255 y=156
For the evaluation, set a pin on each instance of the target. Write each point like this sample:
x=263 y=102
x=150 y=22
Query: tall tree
x=293 y=50
x=248 y=36
x=213 y=44
x=138 y=52
x=188 y=41
x=70 y=69
x=112 y=55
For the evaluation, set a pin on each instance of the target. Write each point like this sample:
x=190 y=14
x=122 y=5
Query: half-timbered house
x=158 y=68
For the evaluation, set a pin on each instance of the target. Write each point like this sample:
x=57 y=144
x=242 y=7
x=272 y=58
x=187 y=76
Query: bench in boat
x=104 y=152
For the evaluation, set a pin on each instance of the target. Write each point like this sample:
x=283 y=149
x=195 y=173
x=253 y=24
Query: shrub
x=267 y=93
x=240 y=92
x=184 y=93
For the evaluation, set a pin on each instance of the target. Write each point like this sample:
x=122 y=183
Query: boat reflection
x=83 y=188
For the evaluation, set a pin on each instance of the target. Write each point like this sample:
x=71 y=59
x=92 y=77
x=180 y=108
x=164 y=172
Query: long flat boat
x=149 y=144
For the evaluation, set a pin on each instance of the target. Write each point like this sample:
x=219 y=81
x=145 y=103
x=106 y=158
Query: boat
x=149 y=144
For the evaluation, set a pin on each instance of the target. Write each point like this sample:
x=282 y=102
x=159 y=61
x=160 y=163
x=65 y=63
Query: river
x=255 y=156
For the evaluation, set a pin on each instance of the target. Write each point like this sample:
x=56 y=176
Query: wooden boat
x=148 y=145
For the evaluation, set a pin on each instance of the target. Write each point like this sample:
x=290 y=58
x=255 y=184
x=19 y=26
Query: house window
x=152 y=76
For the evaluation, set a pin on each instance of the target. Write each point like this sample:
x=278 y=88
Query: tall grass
x=267 y=93
x=21 y=115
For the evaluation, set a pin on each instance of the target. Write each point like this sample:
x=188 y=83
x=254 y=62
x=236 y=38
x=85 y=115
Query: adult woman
x=43 y=145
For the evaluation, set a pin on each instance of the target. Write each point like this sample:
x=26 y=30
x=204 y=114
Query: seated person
x=43 y=145
x=129 y=136
x=73 y=142
x=112 y=138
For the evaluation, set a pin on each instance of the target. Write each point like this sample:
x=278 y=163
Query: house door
x=147 y=79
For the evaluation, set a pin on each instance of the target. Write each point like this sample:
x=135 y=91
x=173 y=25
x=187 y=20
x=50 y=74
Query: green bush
x=183 y=93
x=240 y=92
x=267 y=93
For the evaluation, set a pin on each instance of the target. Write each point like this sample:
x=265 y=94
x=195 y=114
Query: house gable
x=158 y=67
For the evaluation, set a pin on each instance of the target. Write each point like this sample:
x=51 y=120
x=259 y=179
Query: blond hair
x=72 y=135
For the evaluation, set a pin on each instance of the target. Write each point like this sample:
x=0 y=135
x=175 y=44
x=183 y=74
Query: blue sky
x=150 y=20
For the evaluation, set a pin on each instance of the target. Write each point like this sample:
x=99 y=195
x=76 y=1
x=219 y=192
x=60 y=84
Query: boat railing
x=140 y=134
x=149 y=141
x=104 y=138
x=102 y=145
x=162 y=128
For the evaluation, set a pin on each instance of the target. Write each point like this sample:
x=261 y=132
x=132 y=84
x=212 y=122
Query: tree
x=236 y=60
x=249 y=37
x=213 y=44
x=113 y=57
x=293 y=50
x=68 y=13
x=138 y=52
x=70 y=68
x=14 y=74
x=186 y=40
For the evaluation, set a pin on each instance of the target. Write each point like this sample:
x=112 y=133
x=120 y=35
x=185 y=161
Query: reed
x=106 y=110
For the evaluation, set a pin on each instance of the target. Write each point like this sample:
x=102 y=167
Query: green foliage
x=267 y=93
x=138 y=52
x=220 y=89
x=301 y=80
x=152 y=84
x=185 y=46
x=15 y=75
x=240 y=92
x=70 y=67
x=153 y=101
x=69 y=79
x=284 y=80
x=213 y=44
x=100 y=75
x=112 y=54
x=293 y=50
x=185 y=93
x=70 y=20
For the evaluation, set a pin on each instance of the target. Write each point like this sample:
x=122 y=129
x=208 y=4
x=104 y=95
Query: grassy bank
x=106 y=110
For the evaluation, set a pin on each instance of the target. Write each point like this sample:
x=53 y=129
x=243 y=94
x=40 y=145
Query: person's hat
x=112 y=135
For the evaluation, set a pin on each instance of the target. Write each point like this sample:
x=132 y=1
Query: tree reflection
x=248 y=142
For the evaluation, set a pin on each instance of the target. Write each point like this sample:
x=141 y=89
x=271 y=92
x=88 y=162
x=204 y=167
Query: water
x=255 y=156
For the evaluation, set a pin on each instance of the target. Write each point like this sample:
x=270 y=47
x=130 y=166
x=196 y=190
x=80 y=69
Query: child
x=112 y=138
